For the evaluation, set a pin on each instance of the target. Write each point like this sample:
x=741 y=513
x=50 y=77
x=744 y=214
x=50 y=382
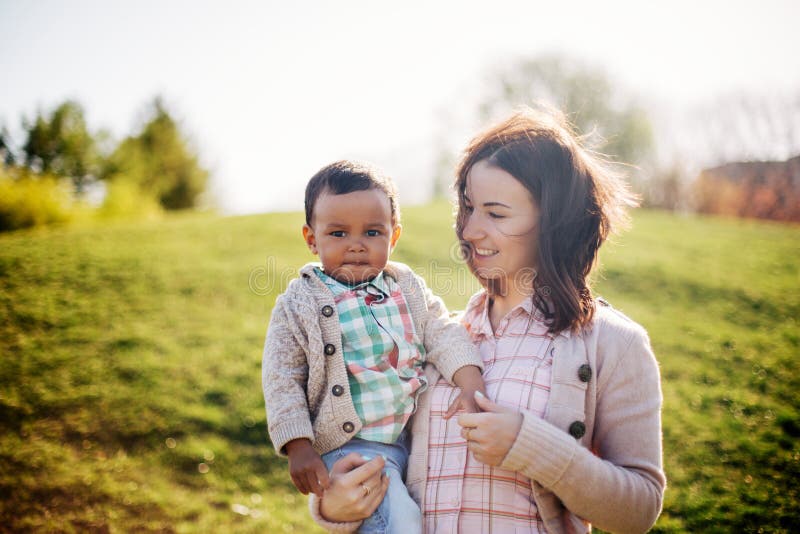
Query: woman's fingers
x=376 y=493
x=348 y=463
x=470 y=433
x=369 y=472
x=471 y=420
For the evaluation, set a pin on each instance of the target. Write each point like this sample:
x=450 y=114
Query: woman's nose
x=472 y=229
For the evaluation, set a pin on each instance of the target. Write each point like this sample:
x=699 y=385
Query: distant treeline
x=63 y=171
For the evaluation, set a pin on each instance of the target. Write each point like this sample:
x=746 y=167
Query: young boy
x=346 y=343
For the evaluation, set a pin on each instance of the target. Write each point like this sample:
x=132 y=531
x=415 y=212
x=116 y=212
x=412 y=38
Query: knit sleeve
x=284 y=378
x=314 y=504
x=446 y=341
x=620 y=489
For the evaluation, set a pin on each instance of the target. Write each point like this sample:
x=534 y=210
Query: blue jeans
x=397 y=513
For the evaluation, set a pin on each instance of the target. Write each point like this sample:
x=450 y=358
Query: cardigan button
x=330 y=349
x=337 y=390
x=577 y=430
x=585 y=372
x=327 y=311
x=348 y=427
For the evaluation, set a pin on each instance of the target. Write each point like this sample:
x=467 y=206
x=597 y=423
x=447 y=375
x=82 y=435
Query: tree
x=610 y=122
x=6 y=151
x=159 y=161
x=62 y=145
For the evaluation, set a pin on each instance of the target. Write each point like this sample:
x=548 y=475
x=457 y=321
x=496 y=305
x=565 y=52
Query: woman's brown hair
x=581 y=199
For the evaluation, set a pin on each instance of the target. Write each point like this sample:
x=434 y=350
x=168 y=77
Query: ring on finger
x=467 y=432
x=367 y=491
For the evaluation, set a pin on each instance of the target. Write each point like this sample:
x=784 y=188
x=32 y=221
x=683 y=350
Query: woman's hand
x=490 y=434
x=357 y=487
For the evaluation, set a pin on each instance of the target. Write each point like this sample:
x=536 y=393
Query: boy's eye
x=373 y=233
x=337 y=233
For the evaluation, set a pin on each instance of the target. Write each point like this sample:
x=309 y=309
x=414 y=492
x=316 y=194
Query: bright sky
x=272 y=91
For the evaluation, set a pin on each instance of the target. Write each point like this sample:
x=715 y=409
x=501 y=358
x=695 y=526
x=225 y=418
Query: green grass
x=130 y=387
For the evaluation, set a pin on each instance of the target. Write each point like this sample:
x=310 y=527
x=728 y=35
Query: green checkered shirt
x=382 y=353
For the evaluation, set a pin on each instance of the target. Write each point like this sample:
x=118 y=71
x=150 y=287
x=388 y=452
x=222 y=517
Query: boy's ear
x=308 y=236
x=396 y=231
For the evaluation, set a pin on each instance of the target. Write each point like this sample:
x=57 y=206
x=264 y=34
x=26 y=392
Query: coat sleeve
x=620 y=489
x=284 y=377
x=446 y=341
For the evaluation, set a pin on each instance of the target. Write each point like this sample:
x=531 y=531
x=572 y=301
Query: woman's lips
x=484 y=252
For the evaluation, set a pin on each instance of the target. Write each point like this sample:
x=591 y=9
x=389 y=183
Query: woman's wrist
x=315 y=509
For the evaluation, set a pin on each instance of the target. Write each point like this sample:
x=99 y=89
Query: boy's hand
x=464 y=402
x=469 y=379
x=307 y=469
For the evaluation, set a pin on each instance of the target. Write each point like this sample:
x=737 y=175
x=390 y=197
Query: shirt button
x=327 y=311
x=577 y=429
x=585 y=372
x=330 y=349
x=337 y=390
x=348 y=427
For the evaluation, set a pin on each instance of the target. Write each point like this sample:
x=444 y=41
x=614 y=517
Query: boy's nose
x=356 y=246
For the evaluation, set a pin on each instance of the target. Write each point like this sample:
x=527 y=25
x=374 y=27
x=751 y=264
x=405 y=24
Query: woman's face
x=500 y=227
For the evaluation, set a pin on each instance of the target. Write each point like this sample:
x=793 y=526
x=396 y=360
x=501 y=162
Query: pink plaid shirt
x=463 y=495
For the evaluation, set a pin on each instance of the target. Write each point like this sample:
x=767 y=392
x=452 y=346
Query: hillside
x=130 y=393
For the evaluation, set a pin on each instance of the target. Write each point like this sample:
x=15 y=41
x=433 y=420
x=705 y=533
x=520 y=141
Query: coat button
x=585 y=372
x=337 y=390
x=577 y=430
x=348 y=427
x=330 y=349
x=327 y=311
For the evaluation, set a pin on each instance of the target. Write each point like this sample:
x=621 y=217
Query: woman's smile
x=485 y=252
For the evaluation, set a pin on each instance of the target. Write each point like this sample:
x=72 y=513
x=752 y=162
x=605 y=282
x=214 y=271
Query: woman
x=572 y=433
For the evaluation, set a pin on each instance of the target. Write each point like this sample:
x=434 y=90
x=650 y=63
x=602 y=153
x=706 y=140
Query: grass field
x=130 y=386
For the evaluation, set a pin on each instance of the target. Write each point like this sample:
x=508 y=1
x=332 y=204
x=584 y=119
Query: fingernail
x=479 y=394
x=365 y=458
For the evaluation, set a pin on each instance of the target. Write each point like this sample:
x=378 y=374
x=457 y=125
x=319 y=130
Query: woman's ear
x=396 y=231
x=308 y=236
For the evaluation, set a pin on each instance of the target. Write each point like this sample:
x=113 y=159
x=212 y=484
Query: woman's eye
x=337 y=233
x=373 y=233
x=468 y=208
x=494 y=215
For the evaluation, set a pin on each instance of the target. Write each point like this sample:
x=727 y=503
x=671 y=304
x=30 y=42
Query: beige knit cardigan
x=303 y=360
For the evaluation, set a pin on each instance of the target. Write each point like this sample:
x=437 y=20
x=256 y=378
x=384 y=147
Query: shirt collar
x=337 y=287
x=482 y=325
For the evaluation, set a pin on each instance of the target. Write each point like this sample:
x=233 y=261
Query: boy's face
x=352 y=233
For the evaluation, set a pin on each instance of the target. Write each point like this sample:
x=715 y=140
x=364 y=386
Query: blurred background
x=253 y=98
x=153 y=157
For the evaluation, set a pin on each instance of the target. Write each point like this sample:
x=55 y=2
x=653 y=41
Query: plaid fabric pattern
x=463 y=495
x=382 y=353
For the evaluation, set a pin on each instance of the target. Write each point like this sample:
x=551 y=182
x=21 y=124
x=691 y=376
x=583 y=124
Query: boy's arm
x=469 y=379
x=284 y=377
x=446 y=341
